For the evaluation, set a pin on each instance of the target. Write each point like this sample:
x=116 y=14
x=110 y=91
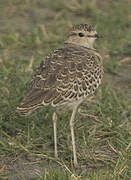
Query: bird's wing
x=59 y=79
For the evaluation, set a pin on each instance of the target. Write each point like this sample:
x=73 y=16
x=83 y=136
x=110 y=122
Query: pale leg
x=54 y=118
x=73 y=136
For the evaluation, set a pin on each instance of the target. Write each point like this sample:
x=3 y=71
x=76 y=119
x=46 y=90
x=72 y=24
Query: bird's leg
x=73 y=136
x=54 y=118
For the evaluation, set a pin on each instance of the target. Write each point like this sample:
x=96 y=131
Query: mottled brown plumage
x=67 y=75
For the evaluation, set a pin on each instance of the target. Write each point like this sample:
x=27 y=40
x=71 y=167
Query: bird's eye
x=81 y=34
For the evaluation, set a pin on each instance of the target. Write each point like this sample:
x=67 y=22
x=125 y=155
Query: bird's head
x=83 y=35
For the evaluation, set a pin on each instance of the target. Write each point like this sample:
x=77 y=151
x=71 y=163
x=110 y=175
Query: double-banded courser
x=66 y=77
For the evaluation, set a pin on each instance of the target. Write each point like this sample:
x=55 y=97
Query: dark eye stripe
x=91 y=35
x=95 y=35
x=73 y=34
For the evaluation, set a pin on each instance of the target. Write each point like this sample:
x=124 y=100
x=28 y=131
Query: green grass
x=29 y=30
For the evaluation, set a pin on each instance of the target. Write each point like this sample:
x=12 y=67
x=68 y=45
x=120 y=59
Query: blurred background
x=29 y=30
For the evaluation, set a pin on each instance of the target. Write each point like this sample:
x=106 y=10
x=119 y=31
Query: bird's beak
x=98 y=36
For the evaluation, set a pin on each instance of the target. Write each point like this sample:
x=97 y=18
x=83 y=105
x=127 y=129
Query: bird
x=66 y=77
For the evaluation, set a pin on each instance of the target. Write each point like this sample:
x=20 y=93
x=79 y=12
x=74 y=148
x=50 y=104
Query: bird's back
x=65 y=76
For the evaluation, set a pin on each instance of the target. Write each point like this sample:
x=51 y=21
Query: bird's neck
x=67 y=43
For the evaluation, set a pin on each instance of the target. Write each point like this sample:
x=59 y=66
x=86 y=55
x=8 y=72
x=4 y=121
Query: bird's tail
x=25 y=111
x=32 y=101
